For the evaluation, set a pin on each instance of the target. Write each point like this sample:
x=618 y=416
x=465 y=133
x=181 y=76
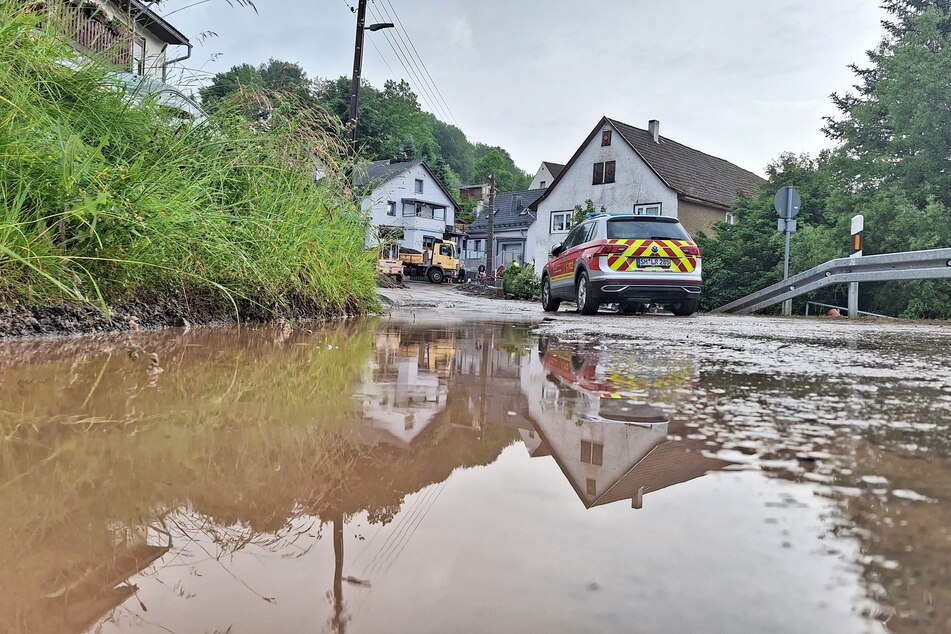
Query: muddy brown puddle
x=393 y=475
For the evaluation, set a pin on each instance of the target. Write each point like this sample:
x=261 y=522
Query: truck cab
x=436 y=264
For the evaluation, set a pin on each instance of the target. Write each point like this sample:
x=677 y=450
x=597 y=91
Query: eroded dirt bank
x=152 y=313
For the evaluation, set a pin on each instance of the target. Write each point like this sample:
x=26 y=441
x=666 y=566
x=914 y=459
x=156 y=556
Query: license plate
x=644 y=263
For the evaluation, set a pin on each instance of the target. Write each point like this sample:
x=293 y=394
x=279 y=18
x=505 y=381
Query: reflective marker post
x=858 y=239
x=787 y=204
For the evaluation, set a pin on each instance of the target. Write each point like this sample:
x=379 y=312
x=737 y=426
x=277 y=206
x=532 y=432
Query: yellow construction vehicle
x=436 y=264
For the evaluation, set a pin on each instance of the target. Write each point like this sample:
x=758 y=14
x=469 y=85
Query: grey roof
x=158 y=25
x=689 y=172
x=379 y=172
x=513 y=212
x=553 y=168
x=670 y=463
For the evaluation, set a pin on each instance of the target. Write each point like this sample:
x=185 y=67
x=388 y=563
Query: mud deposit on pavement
x=427 y=472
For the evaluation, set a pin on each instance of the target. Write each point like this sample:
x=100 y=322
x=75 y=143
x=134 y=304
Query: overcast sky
x=741 y=79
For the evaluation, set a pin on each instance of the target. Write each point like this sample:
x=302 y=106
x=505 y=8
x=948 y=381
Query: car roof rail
x=600 y=214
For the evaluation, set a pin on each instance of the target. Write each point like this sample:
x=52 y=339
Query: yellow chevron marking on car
x=672 y=249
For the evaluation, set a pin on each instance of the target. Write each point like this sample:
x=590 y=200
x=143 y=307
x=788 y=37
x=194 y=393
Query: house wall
x=695 y=217
x=542 y=175
x=404 y=186
x=635 y=183
x=154 y=47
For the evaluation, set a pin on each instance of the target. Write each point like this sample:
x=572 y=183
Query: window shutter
x=609 y=172
x=598 y=174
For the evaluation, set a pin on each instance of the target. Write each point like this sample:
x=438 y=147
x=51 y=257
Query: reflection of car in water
x=604 y=418
x=637 y=376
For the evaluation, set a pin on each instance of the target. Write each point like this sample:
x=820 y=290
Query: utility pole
x=357 y=71
x=358 y=66
x=490 y=243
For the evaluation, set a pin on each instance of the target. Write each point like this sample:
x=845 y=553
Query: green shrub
x=105 y=197
x=521 y=281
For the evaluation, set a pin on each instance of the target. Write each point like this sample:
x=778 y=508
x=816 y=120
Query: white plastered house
x=632 y=170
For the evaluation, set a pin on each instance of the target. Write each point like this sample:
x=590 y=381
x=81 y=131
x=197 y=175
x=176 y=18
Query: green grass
x=104 y=198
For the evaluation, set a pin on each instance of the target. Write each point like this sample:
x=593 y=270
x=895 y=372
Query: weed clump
x=521 y=281
x=107 y=196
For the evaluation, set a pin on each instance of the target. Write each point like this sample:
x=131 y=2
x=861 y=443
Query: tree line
x=391 y=123
x=891 y=163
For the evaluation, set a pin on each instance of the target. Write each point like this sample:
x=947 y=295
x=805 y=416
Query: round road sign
x=787 y=202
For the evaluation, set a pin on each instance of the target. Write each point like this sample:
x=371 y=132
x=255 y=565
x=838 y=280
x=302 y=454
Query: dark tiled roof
x=513 y=212
x=554 y=168
x=381 y=171
x=691 y=172
x=666 y=465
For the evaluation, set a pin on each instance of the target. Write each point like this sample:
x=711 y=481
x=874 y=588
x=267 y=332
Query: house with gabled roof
x=546 y=175
x=407 y=203
x=632 y=170
x=511 y=220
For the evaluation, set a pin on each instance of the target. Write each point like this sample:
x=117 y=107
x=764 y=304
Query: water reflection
x=360 y=475
x=605 y=425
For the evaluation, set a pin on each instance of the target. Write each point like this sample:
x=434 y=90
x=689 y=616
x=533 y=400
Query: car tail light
x=611 y=249
x=691 y=250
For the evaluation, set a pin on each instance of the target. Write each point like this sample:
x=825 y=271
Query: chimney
x=653 y=127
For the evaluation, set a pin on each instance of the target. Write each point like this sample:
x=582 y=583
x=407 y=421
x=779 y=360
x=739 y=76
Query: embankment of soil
x=150 y=313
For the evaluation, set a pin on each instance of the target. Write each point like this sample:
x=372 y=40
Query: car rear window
x=645 y=229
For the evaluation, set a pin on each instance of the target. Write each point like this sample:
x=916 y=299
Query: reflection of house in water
x=609 y=445
x=80 y=596
x=406 y=387
x=466 y=375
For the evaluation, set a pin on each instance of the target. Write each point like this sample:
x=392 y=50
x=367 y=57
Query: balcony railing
x=89 y=31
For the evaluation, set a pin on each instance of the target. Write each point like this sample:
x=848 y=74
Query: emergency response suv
x=627 y=260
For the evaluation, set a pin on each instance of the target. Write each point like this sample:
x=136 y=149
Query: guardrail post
x=858 y=235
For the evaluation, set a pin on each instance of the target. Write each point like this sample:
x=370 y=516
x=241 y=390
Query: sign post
x=858 y=240
x=787 y=204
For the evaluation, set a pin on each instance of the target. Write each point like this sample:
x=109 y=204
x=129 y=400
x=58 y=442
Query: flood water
x=393 y=475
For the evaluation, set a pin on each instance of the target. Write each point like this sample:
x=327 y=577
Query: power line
x=404 y=47
x=421 y=61
x=404 y=61
x=400 y=32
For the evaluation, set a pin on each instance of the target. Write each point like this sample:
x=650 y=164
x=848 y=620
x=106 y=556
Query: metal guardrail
x=907 y=265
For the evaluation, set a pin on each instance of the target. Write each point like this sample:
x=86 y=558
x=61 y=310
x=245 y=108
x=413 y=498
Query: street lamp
x=358 y=66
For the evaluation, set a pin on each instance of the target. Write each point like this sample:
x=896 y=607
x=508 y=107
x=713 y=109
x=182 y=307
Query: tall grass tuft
x=106 y=197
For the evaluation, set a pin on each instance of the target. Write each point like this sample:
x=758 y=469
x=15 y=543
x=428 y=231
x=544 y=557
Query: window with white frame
x=561 y=221
x=730 y=220
x=419 y=186
x=650 y=209
x=138 y=56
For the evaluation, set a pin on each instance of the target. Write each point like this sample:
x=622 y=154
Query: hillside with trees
x=391 y=125
x=892 y=163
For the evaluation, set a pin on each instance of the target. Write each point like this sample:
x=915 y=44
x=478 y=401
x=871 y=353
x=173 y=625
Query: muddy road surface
x=469 y=465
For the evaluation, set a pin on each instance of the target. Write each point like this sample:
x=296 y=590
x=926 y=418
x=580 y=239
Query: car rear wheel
x=685 y=308
x=587 y=305
x=549 y=303
x=435 y=276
